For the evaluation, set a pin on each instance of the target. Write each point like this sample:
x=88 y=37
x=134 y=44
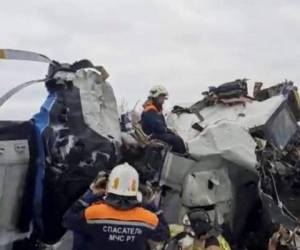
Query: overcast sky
x=186 y=45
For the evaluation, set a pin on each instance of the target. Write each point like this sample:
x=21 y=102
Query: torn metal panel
x=275 y=213
x=280 y=127
x=172 y=207
x=16 y=187
x=214 y=184
x=98 y=104
x=228 y=140
x=14 y=158
x=78 y=135
x=250 y=115
x=183 y=123
x=174 y=170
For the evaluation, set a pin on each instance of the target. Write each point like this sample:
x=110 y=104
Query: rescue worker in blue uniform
x=153 y=121
x=117 y=221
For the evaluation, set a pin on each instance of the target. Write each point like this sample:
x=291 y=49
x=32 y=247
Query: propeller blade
x=23 y=55
x=16 y=89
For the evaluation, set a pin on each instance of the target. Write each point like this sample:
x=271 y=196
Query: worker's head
x=122 y=189
x=158 y=94
x=123 y=181
x=199 y=222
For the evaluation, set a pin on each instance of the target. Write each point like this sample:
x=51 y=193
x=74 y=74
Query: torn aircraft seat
x=78 y=135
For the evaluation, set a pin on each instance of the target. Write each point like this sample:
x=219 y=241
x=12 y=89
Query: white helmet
x=158 y=90
x=123 y=180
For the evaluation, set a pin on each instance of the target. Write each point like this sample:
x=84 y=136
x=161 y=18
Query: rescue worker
x=117 y=220
x=153 y=121
x=281 y=239
x=197 y=233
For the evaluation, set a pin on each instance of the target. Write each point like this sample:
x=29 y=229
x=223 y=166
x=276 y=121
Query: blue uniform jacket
x=104 y=227
x=153 y=121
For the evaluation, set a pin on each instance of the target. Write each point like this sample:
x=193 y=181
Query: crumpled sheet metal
x=99 y=104
x=205 y=188
x=174 y=170
x=228 y=140
x=183 y=125
x=248 y=116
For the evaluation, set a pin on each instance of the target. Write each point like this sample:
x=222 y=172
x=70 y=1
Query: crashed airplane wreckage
x=236 y=168
x=49 y=161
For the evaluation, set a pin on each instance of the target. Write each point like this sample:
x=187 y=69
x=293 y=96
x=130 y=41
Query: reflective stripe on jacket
x=104 y=227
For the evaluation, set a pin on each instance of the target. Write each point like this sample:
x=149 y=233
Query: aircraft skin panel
x=98 y=104
x=219 y=191
x=214 y=141
x=251 y=115
x=72 y=149
x=14 y=157
x=174 y=171
x=16 y=164
x=41 y=120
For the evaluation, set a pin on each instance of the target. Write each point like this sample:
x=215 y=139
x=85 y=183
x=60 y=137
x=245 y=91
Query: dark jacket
x=104 y=227
x=153 y=121
x=154 y=124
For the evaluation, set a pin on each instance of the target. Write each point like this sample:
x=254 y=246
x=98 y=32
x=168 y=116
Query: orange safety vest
x=150 y=106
